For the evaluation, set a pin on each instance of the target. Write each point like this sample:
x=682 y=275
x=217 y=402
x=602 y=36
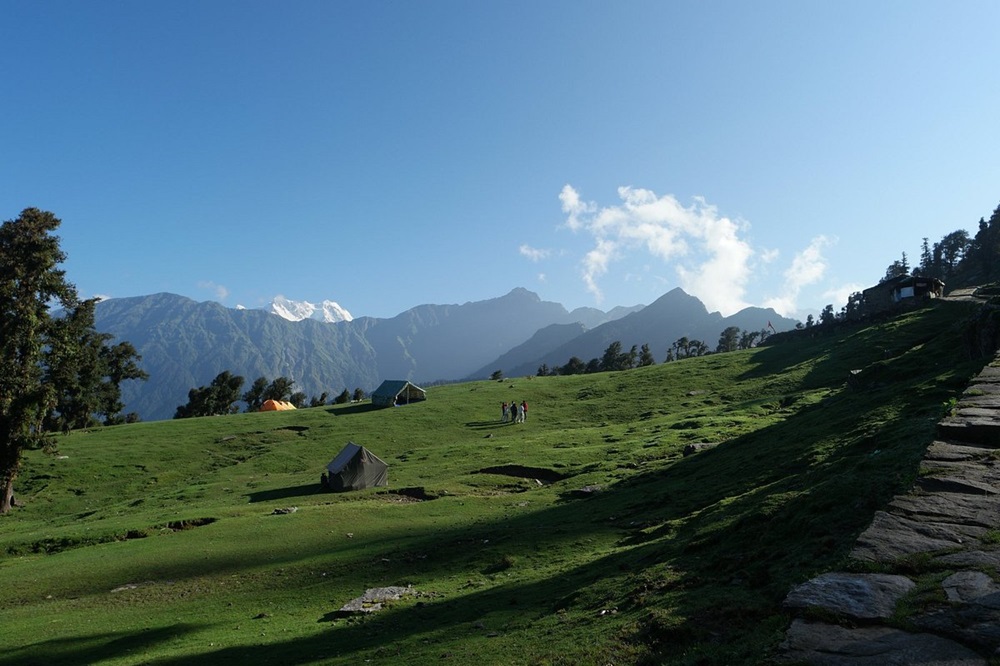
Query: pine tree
x=646 y=357
x=43 y=358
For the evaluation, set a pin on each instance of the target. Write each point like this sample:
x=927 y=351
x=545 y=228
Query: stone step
x=833 y=645
x=943 y=450
x=944 y=484
x=973 y=425
x=852 y=596
x=960 y=509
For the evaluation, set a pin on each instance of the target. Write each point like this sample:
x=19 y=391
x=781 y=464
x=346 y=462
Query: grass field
x=595 y=542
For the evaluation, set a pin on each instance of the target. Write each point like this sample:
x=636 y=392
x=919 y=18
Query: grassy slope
x=678 y=560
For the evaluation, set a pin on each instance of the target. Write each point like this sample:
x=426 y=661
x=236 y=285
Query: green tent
x=354 y=468
x=394 y=392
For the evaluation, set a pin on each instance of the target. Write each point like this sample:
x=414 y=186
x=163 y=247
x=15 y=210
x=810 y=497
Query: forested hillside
x=959 y=258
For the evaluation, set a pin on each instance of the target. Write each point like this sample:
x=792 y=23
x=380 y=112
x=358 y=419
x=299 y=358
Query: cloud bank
x=708 y=251
x=808 y=267
x=533 y=253
x=712 y=261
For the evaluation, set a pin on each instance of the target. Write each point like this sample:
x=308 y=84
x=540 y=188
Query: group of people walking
x=514 y=412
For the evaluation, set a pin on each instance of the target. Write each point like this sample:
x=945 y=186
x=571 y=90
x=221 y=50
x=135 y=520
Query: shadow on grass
x=872 y=346
x=93 y=649
x=706 y=549
x=285 y=493
x=357 y=408
x=487 y=425
x=721 y=577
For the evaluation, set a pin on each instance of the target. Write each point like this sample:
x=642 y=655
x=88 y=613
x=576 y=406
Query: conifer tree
x=44 y=358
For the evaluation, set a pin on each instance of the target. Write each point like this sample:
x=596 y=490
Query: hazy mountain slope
x=446 y=342
x=592 y=317
x=545 y=340
x=674 y=315
x=185 y=344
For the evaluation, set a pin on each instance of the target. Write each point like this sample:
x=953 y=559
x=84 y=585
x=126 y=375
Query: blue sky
x=390 y=154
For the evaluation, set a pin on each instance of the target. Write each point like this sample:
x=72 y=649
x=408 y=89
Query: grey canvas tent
x=354 y=468
x=397 y=392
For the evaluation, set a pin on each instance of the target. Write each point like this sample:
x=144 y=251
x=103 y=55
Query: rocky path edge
x=947 y=528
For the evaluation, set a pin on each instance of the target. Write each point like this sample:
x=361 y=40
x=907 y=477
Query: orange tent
x=276 y=406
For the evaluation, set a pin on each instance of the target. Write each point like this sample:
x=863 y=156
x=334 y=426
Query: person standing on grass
x=520 y=413
x=503 y=412
x=524 y=411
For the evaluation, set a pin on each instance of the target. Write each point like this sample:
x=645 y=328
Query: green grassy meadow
x=157 y=543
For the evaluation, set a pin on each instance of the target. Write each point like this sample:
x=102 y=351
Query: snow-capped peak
x=327 y=311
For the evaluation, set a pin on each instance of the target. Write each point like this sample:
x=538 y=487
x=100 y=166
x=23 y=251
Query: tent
x=397 y=392
x=276 y=406
x=354 y=468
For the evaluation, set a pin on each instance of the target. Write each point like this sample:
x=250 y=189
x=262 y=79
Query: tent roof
x=346 y=455
x=276 y=406
x=343 y=457
x=392 y=387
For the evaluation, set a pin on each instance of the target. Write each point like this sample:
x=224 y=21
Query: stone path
x=949 y=523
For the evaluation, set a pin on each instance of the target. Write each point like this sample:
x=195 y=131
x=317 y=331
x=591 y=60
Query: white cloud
x=713 y=261
x=769 y=256
x=533 y=253
x=808 y=267
x=838 y=295
x=573 y=207
x=220 y=291
x=595 y=264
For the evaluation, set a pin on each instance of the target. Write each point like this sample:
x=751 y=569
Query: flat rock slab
x=955 y=452
x=964 y=511
x=966 y=586
x=976 y=624
x=980 y=426
x=971 y=478
x=851 y=596
x=371 y=601
x=982 y=467
x=972 y=559
x=966 y=411
x=980 y=387
x=989 y=374
x=832 y=645
x=891 y=537
x=981 y=398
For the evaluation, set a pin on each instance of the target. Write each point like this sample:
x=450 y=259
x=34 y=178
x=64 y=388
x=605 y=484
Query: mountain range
x=185 y=344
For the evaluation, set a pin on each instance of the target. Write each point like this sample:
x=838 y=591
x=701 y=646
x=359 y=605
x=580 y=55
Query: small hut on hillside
x=394 y=392
x=891 y=292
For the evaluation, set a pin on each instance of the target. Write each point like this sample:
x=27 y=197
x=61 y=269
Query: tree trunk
x=7 y=498
x=10 y=465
